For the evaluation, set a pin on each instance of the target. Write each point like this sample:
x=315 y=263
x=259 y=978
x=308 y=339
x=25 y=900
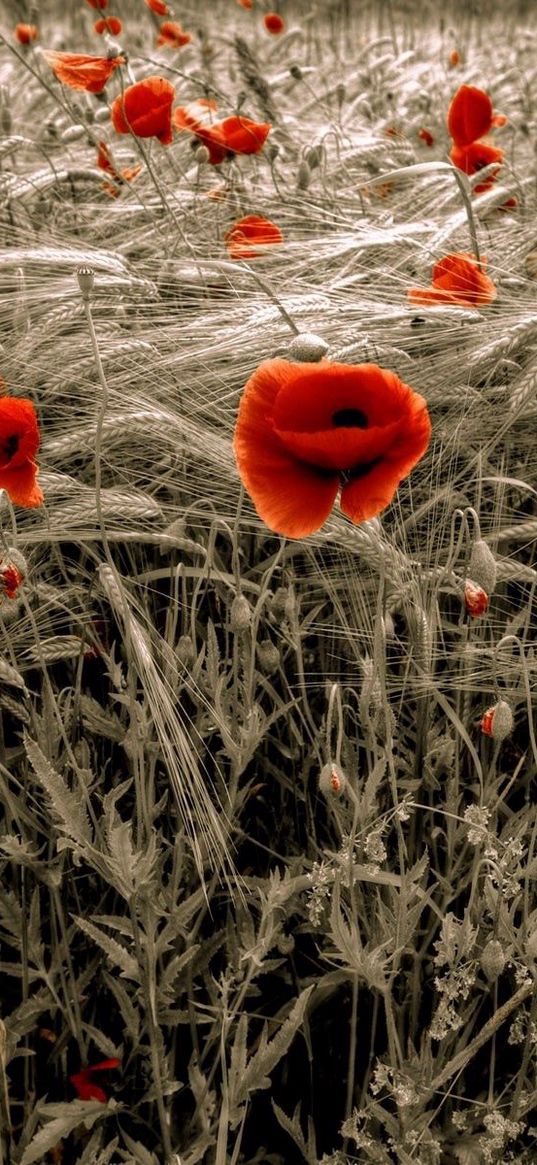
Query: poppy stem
x=463 y=187
x=269 y=290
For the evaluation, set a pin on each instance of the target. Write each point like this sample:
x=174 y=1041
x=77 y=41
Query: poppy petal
x=244 y=136
x=469 y=115
x=21 y=485
x=80 y=71
x=144 y=109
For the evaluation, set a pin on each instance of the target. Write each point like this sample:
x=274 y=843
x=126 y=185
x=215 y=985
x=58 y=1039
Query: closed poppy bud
x=185 y=651
x=476 y=599
x=307 y=348
x=273 y=23
x=303 y=177
x=240 y=615
x=498 y=721
x=6 y=120
x=314 y=156
x=202 y=155
x=332 y=780
x=482 y=567
x=26 y=33
x=283 y=603
x=268 y=656
x=493 y=959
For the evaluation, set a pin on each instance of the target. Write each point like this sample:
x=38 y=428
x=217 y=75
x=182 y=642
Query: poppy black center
x=349 y=419
x=10 y=446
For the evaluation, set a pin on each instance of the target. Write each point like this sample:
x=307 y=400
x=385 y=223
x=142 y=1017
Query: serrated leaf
x=293 y=1128
x=112 y=949
x=129 y=1013
x=64 y=1118
x=68 y=806
x=141 y=1155
x=268 y=1055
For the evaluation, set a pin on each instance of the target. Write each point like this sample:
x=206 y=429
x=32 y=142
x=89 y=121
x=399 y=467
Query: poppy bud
x=240 y=615
x=271 y=151
x=493 y=959
x=332 y=780
x=498 y=721
x=86 y=281
x=283 y=603
x=268 y=656
x=476 y=599
x=341 y=93
x=13 y=572
x=6 y=120
x=313 y=156
x=102 y=115
x=202 y=155
x=482 y=566
x=303 y=177
x=307 y=348
x=185 y=650
x=73 y=133
x=296 y=72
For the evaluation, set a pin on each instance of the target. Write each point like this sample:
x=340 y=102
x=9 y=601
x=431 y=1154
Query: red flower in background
x=306 y=431
x=26 y=33
x=83 y=1083
x=145 y=109
x=19 y=442
x=159 y=7
x=99 y=4
x=80 y=71
x=245 y=3
x=172 y=35
x=454 y=59
x=273 y=23
x=457 y=279
x=253 y=229
x=233 y=135
x=426 y=136
x=111 y=24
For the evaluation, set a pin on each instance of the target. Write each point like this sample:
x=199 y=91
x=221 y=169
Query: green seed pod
x=493 y=959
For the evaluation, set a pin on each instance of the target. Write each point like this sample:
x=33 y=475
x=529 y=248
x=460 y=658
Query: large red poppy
x=83 y=1082
x=248 y=234
x=457 y=278
x=145 y=109
x=19 y=442
x=233 y=135
x=172 y=36
x=469 y=116
x=306 y=431
x=80 y=71
x=475 y=157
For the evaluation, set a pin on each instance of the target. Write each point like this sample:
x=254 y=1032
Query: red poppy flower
x=83 y=1083
x=99 y=4
x=82 y=72
x=172 y=35
x=111 y=24
x=26 y=33
x=233 y=135
x=159 y=7
x=457 y=279
x=273 y=23
x=426 y=136
x=145 y=109
x=306 y=431
x=473 y=158
x=469 y=115
x=253 y=229
x=245 y=3
x=19 y=442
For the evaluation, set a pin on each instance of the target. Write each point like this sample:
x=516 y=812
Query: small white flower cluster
x=321 y=881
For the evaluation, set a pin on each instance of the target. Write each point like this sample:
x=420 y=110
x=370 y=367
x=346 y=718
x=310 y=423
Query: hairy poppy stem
x=463 y=187
x=269 y=290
